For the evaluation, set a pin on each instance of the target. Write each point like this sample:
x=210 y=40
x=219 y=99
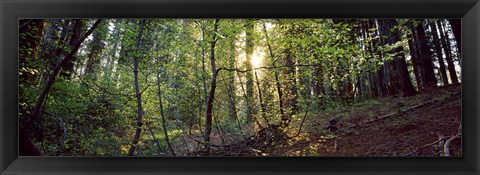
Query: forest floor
x=389 y=126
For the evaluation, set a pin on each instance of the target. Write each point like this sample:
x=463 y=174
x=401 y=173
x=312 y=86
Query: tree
x=249 y=46
x=425 y=56
x=39 y=102
x=138 y=125
x=457 y=32
x=439 y=54
x=399 y=57
x=30 y=35
x=213 y=86
x=96 y=47
x=74 y=38
x=448 y=52
x=414 y=53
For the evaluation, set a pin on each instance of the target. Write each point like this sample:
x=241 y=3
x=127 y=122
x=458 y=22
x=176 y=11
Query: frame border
x=12 y=10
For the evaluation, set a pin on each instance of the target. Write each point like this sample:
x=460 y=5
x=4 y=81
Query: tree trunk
x=414 y=57
x=208 y=119
x=137 y=94
x=69 y=65
x=231 y=87
x=260 y=99
x=448 y=53
x=277 y=82
x=96 y=47
x=399 y=58
x=438 y=50
x=457 y=32
x=204 y=78
x=291 y=92
x=30 y=34
x=113 y=52
x=249 y=30
x=426 y=57
x=164 y=125
x=213 y=86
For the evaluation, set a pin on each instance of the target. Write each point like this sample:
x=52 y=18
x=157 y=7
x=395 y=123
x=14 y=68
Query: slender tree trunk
x=204 y=78
x=213 y=86
x=138 y=126
x=448 y=53
x=277 y=81
x=291 y=93
x=438 y=50
x=208 y=120
x=154 y=138
x=262 y=106
x=164 y=122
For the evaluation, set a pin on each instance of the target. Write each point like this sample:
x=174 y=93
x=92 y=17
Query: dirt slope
x=391 y=126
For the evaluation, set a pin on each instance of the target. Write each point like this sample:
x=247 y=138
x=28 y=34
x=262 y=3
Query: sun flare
x=257 y=58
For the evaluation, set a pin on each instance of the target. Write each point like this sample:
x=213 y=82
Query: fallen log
x=446 y=150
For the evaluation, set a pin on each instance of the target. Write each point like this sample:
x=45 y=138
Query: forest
x=240 y=87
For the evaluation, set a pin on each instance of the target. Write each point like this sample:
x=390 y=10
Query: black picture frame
x=12 y=10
